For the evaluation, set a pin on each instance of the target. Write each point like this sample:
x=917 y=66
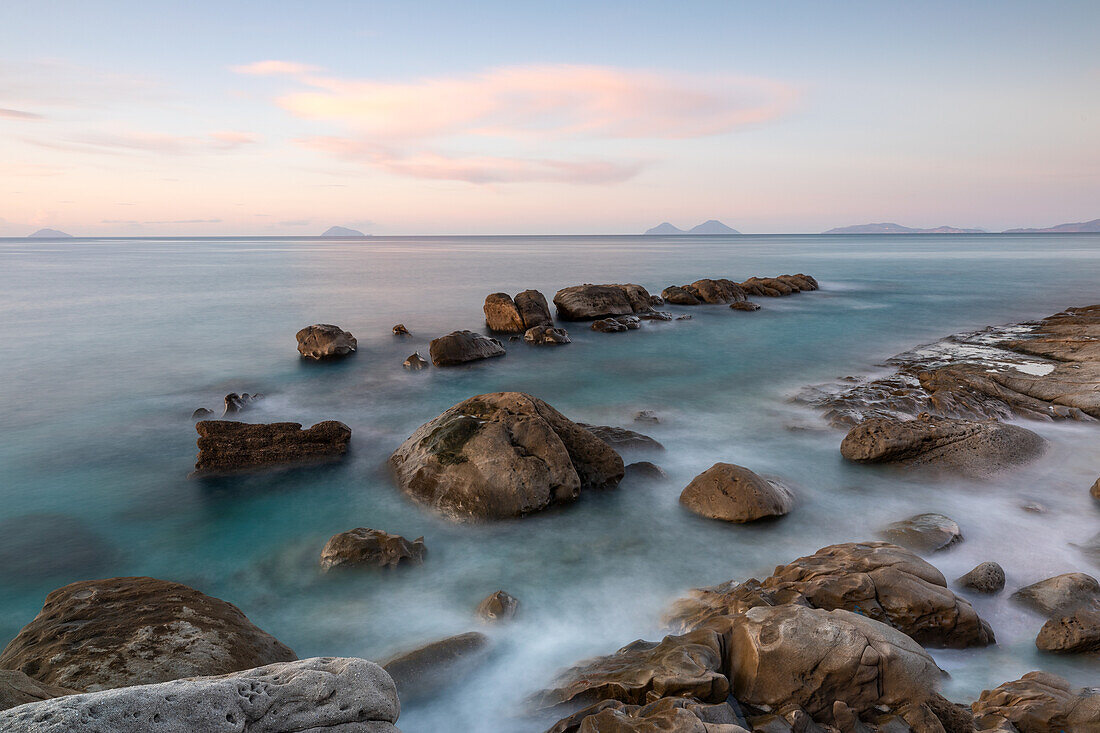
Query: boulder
x=460 y=347
x=533 y=309
x=924 y=532
x=400 y=330
x=311 y=695
x=886 y=583
x=502 y=315
x=592 y=302
x=702 y=605
x=225 y=445
x=683 y=666
x=202 y=413
x=415 y=362
x=655 y=315
x=1038 y=702
x=499 y=606
x=325 y=341
x=362 y=547
x=964 y=446
x=716 y=291
x=1058 y=596
x=735 y=494
x=665 y=715
x=633 y=323
x=812 y=658
x=676 y=295
x=44 y=546
x=621 y=438
x=102 y=634
x=17 y=689
x=1073 y=634
x=609 y=325
x=744 y=305
x=546 y=334
x=423 y=672
x=988 y=577
x=501 y=455
x=645 y=471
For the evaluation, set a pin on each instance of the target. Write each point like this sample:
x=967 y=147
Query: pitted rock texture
x=666 y=715
x=102 y=634
x=226 y=445
x=319 y=695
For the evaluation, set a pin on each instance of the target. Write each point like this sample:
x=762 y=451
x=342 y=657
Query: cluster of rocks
x=234 y=404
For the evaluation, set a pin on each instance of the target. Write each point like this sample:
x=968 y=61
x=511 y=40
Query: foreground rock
x=102 y=634
x=17 y=689
x=988 y=577
x=460 y=347
x=499 y=606
x=314 y=695
x=501 y=455
x=425 y=671
x=592 y=302
x=325 y=341
x=225 y=445
x=963 y=446
x=735 y=494
x=362 y=547
x=1061 y=595
x=924 y=532
x=1038 y=702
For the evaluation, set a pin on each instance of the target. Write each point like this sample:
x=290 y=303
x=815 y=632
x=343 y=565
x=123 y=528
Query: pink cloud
x=15 y=114
x=131 y=142
x=274 y=68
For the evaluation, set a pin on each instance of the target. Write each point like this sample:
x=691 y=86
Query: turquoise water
x=107 y=346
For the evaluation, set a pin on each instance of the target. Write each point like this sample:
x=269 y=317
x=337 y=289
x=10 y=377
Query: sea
x=107 y=346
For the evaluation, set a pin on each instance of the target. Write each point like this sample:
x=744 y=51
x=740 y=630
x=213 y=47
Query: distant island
x=891 y=228
x=711 y=226
x=343 y=232
x=49 y=234
x=1081 y=227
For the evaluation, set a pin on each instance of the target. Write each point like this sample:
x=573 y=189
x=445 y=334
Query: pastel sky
x=145 y=118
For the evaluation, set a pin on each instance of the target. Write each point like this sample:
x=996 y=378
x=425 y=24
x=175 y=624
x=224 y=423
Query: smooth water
x=107 y=346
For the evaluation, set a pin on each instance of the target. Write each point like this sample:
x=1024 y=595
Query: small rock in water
x=226 y=445
x=499 y=606
x=648 y=416
x=1095 y=490
x=645 y=470
x=235 y=403
x=325 y=341
x=416 y=362
x=989 y=577
x=744 y=305
x=685 y=317
x=656 y=316
x=924 y=532
x=608 y=325
x=202 y=413
x=631 y=322
x=1034 y=507
x=735 y=494
x=546 y=334
x=400 y=330
x=371 y=547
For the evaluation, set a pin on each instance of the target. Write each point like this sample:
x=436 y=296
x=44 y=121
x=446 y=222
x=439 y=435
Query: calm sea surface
x=107 y=346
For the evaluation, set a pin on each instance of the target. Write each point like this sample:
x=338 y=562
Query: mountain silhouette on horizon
x=343 y=232
x=892 y=228
x=711 y=226
x=49 y=234
x=1080 y=227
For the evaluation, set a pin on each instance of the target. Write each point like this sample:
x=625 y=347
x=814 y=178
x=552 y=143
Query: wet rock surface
x=501 y=455
x=103 y=634
x=400 y=330
x=546 y=335
x=237 y=403
x=1055 y=597
x=1038 y=702
x=1076 y=633
x=312 y=695
x=668 y=714
x=461 y=347
x=227 y=446
x=415 y=362
x=706 y=290
x=325 y=341
x=924 y=532
x=425 y=671
x=363 y=547
x=622 y=438
x=533 y=309
x=735 y=494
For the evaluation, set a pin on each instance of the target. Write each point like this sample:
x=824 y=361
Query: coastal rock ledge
x=500 y=455
x=312 y=695
x=226 y=446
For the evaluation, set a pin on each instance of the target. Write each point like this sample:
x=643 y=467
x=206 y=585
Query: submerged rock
x=425 y=671
x=202 y=413
x=609 y=325
x=745 y=305
x=502 y=455
x=225 y=445
x=534 y=309
x=460 y=347
x=965 y=446
x=415 y=362
x=17 y=689
x=622 y=438
x=646 y=471
x=325 y=341
x=320 y=694
x=502 y=315
x=102 y=634
x=546 y=334
x=1038 y=702
x=988 y=577
x=924 y=532
x=592 y=302
x=646 y=416
x=400 y=330
x=735 y=494
x=372 y=548
x=235 y=403
x=499 y=606
x=1060 y=595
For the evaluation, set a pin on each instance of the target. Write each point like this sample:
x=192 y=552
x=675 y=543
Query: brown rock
x=735 y=494
x=533 y=309
x=744 y=305
x=716 y=291
x=423 y=672
x=499 y=606
x=666 y=715
x=415 y=362
x=400 y=330
x=102 y=634
x=325 y=341
x=1038 y=702
x=727 y=599
x=592 y=302
x=988 y=577
x=502 y=315
x=924 y=532
x=460 y=347
x=609 y=325
x=676 y=295
x=546 y=335
x=1058 y=596
x=645 y=471
x=1073 y=634
x=17 y=689
x=225 y=445
x=501 y=455
x=622 y=438
x=1095 y=490
x=364 y=547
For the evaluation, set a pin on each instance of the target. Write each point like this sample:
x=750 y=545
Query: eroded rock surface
x=226 y=445
x=502 y=315
x=534 y=309
x=363 y=547
x=325 y=341
x=666 y=715
x=735 y=494
x=546 y=335
x=1038 y=702
x=706 y=290
x=1055 y=597
x=987 y=577
x=461 y=347
x=1074 y=633
x=592 y=302
x=499 y=606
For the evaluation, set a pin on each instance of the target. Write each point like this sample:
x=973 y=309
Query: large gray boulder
x=102 y=634
x=324 y=694
x=1038 y=702
x=500 y=455
x=325 y=341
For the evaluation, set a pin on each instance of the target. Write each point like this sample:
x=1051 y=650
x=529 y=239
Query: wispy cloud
x=149 y=142
x=15 y=114
x=274 y=68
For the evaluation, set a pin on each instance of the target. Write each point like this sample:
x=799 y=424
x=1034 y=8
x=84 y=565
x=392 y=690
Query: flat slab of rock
x=325 y=341
x=964 y=446
x=102 y=634
x=307 y=696
x=425 y=671
x=733 y=493
x=592 y=302
x=17 y=688
x=777 y=286
x=924 y=532
x=226 y=445
x=363 y=547
x=988 y=577
x=1055 y=597
x=622 y=438
x=462 y=347
x=1038 y=702
x=500 y=455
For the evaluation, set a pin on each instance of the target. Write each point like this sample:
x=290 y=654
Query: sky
x=395 y=118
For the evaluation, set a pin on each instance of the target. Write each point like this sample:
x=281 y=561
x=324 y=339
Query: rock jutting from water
x=363 y=547
x=593 y=302
x=546 y=335
x=500 y=455
x=735 y=494
x=325 y=341
x=425 y=671
x=924 y=532
x=710 y=291
x=461 y=347
x=622 y=438
x=502 y=315
x=237 y=403
x=988 y=577
x=400 y=330
x=117 y=632
x=780 y=285
x=1038 y=702
x=498 y=607
x=310 y=695
x=227 y=446
x=1075 y=633
x=415 y=362
x=1061 y=595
